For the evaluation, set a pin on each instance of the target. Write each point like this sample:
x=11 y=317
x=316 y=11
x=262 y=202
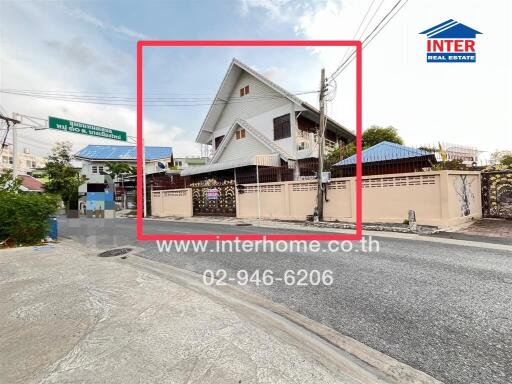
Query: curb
x=338 y=351
x=375 y=233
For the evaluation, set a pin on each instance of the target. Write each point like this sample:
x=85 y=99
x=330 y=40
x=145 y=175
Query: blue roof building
x=387 y=157
x=121 y=153
x=451 y=29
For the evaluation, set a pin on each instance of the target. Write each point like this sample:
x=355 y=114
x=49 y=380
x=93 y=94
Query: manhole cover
x=115 y=252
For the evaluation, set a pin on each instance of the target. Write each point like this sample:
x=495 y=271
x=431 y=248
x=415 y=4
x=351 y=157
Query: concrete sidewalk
x=67 y=315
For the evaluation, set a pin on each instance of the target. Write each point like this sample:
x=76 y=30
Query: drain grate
x=115 y=252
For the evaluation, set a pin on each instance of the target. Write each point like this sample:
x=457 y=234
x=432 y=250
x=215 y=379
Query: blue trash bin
x=54 y=228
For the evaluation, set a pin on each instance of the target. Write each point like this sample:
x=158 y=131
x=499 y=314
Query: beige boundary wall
x=172 y=202
x=441 y=198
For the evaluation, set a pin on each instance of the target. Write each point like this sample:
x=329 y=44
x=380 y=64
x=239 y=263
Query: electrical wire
x=355 y=37
x=106 y=96
x=368 y=39
x=178 y=102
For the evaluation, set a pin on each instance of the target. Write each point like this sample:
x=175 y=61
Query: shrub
x=24 y=216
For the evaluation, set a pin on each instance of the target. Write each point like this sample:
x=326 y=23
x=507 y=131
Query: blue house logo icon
x=451 y=42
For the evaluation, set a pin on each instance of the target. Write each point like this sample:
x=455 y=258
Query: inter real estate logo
x=451 y=42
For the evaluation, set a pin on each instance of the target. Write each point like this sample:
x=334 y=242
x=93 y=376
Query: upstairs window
x=240 y=134
x=244 y=91
x=282 y=128
x=97 y=169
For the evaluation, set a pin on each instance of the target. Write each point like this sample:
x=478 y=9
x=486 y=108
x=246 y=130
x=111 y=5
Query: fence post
x=287 y=198
x=444 y=197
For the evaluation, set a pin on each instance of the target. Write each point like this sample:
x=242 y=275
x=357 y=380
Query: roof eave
x=349 y=133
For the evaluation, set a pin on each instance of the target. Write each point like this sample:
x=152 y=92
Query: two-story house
x=95 y=160
x=253 y=121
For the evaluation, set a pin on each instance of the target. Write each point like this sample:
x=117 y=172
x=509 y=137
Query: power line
x=371 y=18
x=368 y=39
x=122 y=93
x=107 y=96
x=355 y=37
x=178 y=102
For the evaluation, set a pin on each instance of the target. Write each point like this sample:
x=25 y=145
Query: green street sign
x=85 y=129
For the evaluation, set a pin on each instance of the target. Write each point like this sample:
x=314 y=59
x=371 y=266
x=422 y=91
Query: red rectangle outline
x=357 y=236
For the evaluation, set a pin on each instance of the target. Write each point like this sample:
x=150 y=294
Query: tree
x=115 y=169
x=63 y=178
x=340 y=153
x=7 y=184
x=506 y=160
x=375 y=134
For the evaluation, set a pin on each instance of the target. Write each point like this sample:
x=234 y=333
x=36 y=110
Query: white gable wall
x=246 y=147
x=260 y=113
x=261 y=98
x=264 y=123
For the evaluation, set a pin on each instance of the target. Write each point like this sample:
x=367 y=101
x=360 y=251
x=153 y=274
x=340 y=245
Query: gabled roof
x=272 y=146
x=121 y=152
x=225 y=90
x=451 y=29
x=30 y=184
x=385 y=151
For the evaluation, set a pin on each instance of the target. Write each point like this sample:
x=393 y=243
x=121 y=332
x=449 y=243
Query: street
x=441 y=308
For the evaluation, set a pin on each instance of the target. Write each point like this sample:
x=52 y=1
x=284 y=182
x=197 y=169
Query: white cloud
x=275 y=8
x=461 y=103
x=120 y=29
x=66 y=62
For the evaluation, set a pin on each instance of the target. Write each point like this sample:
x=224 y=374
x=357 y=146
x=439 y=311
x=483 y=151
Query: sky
x=88 y=48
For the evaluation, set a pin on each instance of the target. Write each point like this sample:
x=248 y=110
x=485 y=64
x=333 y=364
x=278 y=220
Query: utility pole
x=321 y=130
x=14 y=150
x=14 y=121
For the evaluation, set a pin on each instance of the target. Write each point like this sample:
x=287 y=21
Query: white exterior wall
x=239 y=109
x=246 y=147
x=151 y=166
x=264 y=123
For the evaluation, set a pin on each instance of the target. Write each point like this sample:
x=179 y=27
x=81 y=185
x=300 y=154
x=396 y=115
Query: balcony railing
x=308 y=141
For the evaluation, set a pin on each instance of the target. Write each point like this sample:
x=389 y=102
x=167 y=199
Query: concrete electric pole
x=14 y=121
x=321 y=131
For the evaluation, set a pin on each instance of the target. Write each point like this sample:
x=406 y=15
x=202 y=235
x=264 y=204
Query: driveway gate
x=497 y=194
x=214 y=200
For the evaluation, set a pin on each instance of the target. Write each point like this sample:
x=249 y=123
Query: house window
x=244 y=91
x=282 y=128
x=94 y=169
x=100 y=169
x=240 y=134
x=218 y=140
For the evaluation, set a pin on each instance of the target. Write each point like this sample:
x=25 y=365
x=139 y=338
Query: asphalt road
x=443 y=309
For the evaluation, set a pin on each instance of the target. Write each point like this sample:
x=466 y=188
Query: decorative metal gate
x=497 y=194
x=214 y=200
